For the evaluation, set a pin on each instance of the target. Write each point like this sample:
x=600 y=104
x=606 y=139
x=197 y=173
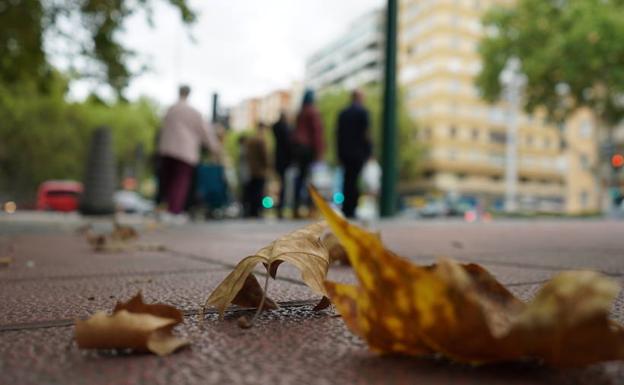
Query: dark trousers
x=305 y=157
x=281 y=173
x=255 y=193
x=175 y=179
x=350 y=187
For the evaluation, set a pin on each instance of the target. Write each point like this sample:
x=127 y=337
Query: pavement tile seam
x=106 y=275
x=518 y=264
x=187 y=313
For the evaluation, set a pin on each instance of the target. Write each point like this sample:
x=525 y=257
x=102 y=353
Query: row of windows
x=418 y=7
x=453 y=42
x=455 y=87
x=499 y=178
x=456 y=65
x=493 y=136
x=494 y=115
x=497 y=158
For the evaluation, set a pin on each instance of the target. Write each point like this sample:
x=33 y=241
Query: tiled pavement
x=56 y=278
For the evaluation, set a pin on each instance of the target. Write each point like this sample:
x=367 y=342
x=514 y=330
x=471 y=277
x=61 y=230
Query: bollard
x=99 y=180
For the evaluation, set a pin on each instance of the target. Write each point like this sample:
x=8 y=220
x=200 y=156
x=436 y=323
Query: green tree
x=571 y=51
x=45 y=137
x=332 y=102
x=88 y=29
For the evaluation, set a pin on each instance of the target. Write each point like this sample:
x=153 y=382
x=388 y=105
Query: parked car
x=132 y=202
x=59 y=195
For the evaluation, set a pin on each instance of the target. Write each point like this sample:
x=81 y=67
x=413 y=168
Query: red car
x=59 y=195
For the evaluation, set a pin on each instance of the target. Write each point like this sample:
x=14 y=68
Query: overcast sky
x=243 y=48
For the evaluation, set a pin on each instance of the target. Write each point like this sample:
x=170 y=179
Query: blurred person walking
x=242 y=171
x=354 y=148
x=283 y=155
x=258 y=161
x=183 y=133
x=308 y=144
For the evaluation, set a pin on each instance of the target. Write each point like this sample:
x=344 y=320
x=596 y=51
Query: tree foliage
x=571 y=51
x=45 y=137
x=88 y=31
x=332 y=102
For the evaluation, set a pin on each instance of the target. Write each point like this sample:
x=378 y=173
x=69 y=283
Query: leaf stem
x=242 y=322
x=263 y=299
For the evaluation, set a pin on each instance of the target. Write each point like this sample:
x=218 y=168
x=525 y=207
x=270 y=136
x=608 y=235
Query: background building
x=244 y=115
x=466 y=137
x=270 y=106
x=249 y=112
x=354 y=59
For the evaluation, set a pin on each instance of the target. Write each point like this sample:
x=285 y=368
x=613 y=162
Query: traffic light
x=617 y=161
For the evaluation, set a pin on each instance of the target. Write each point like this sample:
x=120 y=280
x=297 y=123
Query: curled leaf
x=303 y=248
x=133 y=325
x=463 y=313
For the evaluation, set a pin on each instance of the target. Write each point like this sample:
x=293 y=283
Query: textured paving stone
x=291 y=346
x=551 y=244
x=61 y=255
x=49 y=300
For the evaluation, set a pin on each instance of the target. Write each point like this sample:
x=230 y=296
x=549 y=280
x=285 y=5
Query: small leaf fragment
x=133 y=325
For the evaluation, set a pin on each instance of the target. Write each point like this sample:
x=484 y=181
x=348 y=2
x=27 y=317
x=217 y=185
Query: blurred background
x=502 y=108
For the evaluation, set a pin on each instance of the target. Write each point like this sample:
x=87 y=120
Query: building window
x=475 y=134
x=498 y=137
x=584 y=198
x=584 y=160
x=529 y=140
x=497 y=159
x=453 y=131
x=546 y=142
x=426 y=133
x=586 y=128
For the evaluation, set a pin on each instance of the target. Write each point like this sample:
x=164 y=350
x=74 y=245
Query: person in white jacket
x=183 y=134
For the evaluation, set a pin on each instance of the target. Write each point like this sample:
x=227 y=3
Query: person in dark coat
x=354 y=148
x=281 y=133
x=308 y=144
x=258 y=161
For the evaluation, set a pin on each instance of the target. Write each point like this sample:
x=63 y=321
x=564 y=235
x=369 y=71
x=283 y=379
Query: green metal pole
x=389 y=127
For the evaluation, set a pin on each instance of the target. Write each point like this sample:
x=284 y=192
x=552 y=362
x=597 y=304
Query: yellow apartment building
x=465 y=137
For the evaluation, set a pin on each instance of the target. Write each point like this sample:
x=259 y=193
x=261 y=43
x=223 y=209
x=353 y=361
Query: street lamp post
x=389 y=128
x=513 y=82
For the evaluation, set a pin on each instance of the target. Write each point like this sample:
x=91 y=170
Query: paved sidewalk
x=56 y=277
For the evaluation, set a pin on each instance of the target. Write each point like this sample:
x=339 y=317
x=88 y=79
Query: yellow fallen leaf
x=463 y=313
x=302 y=248
x=133 y=325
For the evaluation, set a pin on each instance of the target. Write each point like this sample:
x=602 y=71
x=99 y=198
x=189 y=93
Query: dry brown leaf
x=133 y=325
x=117 y=240
x=463 y=313
x=123 y=232
x=302 y=248
x=337 y=253
x=5 y=261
